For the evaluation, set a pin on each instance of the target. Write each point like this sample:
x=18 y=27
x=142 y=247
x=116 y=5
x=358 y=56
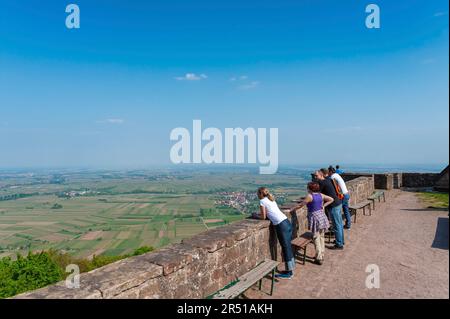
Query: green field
x=121 y=211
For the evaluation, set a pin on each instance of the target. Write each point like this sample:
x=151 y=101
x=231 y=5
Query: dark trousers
x=284 y=234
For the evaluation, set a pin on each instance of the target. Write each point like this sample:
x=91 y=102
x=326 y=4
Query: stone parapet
x=195 y=268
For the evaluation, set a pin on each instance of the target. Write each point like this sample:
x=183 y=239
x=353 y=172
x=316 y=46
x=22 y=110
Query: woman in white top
x=269 y=209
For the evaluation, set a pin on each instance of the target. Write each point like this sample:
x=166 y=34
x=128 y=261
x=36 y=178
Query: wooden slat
x=376 y=195
x=247 y=280
x=303 y=240
x=360 y=205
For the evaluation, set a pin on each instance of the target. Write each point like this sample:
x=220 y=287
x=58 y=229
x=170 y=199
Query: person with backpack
x=342 y=189
x=317 y=220
x=334 y=210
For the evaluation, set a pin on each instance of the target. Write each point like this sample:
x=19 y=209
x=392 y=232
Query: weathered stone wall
x=398 y=180
x=418 y=180
x=381 y=180
x=384 y=181
x=195 y=268
x=442 y=182
x=350 y=176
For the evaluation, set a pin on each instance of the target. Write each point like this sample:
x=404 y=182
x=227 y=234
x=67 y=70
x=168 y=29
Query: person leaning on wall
x=269 y=209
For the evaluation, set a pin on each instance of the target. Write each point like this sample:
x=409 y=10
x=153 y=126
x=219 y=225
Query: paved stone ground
x=408 y=242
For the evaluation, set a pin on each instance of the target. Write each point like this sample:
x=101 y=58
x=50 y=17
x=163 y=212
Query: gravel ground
x=405 y=239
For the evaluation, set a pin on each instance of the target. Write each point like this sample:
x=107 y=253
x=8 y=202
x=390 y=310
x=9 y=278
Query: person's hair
x=324 y=171
x=337 y=166
x=331 y=169
x=319 y=173
x=314 y=187
x=264 y=192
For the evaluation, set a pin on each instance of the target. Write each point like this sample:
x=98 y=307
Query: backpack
x=338 y=190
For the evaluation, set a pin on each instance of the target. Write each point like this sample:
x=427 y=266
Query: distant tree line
x=16 y=196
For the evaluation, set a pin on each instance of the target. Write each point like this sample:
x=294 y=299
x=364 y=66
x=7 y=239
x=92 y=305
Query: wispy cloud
x=428 y=61
x=112 y=121
x=249 y=86
x=441 y=14
x=243 y=82
x=239 y=78
x=191 y=77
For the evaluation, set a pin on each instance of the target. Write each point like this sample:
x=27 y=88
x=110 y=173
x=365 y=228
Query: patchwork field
x=114 y=213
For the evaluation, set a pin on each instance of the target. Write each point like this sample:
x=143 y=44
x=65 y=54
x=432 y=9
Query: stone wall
x=419 y=180
x=381 y=180
x=409 y=180
x=442 y=182
x=350 y=176
x=195 y=268
x=384 y=181
x=398 y=180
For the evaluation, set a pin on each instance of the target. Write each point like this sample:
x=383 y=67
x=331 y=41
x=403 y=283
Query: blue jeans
x=284 y=234
x=348 y=217
x=338 y=227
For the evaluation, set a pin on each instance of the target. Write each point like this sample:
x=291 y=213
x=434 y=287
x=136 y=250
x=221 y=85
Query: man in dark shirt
x=335 y=208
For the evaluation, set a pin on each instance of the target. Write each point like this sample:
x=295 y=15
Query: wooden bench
x=300 y=244
x=377 y=195
x=247 y=280
x=354 y=208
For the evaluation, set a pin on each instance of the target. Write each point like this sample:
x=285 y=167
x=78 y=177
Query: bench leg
x=304 y=255
x=260 y=284
x=273 y=282
x=370 y=211
x=354 y=219
x=330 y=231
x=384 y=198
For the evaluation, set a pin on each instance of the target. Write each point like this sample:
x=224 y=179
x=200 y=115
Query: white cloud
x=440 y=14
x=249 y=86
x=191 y=77
x=112 y=121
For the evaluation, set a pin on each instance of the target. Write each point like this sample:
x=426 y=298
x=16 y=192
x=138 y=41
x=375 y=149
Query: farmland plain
x=88 y=212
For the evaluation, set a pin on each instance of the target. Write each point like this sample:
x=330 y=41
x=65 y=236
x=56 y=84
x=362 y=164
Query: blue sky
x=108 y=94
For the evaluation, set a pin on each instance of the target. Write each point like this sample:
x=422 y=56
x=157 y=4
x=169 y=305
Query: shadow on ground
x=441 y=237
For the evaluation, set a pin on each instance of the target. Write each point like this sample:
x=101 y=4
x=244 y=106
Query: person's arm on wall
x=262 y=212
x=305 y=201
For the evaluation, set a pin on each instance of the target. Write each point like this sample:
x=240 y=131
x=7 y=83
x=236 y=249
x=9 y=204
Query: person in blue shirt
x=338 y=170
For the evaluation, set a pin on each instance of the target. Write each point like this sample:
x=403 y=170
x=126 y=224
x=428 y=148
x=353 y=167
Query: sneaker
x=347 y=227
x=318 y=261
x=285 y=275
x=336 y=247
